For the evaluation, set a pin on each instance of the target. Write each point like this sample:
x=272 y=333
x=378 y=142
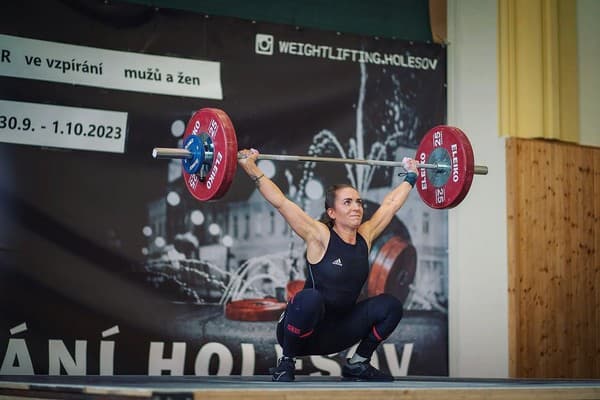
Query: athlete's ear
x=331 y=213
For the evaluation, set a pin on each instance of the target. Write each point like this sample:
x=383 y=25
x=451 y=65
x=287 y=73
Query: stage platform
x=305 y=387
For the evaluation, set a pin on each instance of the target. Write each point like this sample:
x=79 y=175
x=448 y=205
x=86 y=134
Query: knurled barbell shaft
x=177 y=153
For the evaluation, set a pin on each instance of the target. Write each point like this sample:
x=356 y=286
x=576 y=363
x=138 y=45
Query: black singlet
x=341 y=273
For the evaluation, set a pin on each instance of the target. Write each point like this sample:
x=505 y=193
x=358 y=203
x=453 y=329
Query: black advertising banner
x=108 y=265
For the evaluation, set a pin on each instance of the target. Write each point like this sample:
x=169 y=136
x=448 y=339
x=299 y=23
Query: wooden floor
x=305 y=387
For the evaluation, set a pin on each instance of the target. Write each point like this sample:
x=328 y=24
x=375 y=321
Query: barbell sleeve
x=480 y=170
x=164 y=152
x=168 y=152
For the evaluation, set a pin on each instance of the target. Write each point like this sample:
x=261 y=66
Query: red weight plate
x=218 y=126
x=254 y=310
x=293 y=287
x=393 y=269
x=460 y=155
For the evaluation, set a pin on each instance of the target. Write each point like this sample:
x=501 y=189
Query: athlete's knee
x=386 y=313
x=386 y=306
x=306 y=300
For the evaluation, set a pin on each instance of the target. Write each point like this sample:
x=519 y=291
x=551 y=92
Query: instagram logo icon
x=264 y=44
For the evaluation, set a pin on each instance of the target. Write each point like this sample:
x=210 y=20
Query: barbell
x=209 y=157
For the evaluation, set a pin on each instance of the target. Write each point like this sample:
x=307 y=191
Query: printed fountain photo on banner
x=111 y=266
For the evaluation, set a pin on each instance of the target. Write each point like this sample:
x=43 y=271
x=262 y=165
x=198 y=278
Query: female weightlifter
x=325 y=317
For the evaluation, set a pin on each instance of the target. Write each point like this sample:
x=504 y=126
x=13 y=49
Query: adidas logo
x=337 y=262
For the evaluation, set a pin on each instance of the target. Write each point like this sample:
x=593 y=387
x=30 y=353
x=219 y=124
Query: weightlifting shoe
x=284 y=372
x=364 y=371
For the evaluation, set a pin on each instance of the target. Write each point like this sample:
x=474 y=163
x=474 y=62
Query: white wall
x=478 y=266
x=588 y=46
x=478 y=270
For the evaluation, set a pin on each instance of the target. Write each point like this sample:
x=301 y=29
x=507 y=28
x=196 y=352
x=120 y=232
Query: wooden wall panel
x=554 y=262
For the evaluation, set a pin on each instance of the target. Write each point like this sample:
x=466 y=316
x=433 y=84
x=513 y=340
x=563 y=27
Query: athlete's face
x=347 y=208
